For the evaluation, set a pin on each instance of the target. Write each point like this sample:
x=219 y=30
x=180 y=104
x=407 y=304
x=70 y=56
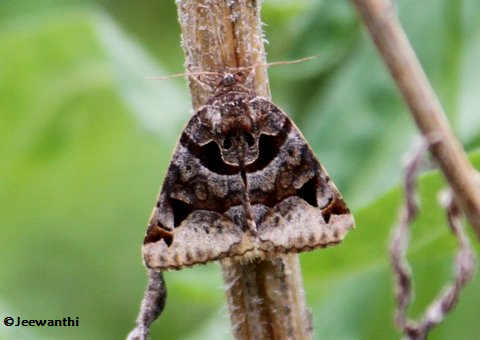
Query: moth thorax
x=241 y=122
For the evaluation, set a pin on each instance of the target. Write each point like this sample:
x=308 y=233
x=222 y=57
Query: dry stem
x=464 y=262
x=152 y=305
x=393 y=44
x=266 y=298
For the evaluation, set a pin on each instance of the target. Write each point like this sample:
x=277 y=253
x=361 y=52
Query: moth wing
x=308 y=211
x=188 y=224
x=203 y=236
x=294 y=226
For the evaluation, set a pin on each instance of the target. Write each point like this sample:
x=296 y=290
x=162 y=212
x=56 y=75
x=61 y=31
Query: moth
x=242 y=183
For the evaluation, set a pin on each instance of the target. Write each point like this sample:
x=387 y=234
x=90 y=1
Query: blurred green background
x=85 y=139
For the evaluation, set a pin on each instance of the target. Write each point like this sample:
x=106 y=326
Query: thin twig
x=393 y=44
x=400 y=239
x=152 y=305
x=464 y=263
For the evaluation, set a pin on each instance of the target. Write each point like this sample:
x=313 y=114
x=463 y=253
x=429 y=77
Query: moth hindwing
x=243 y=182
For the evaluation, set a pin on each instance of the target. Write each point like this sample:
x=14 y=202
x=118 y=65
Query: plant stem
x=266 y=297
x=392 y=42
x=219 y=35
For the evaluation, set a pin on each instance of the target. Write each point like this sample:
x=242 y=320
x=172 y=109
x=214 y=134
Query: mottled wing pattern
x=203 y=236
x=199 y=215
x=188 y=225
x=304 y=208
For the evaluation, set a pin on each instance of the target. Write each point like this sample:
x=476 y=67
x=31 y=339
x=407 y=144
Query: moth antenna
x=203 y=85
x=193 y=75
x=184 y=74
x=296 y=61
x=276 y=63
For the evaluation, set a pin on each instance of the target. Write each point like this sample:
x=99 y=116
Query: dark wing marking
x=268 y=147
x=209 y=155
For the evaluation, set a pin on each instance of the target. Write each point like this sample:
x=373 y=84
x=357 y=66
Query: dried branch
x=393 y=44
x=464 y=263
x=400 y=239
x=265 y=298
x=152 y=305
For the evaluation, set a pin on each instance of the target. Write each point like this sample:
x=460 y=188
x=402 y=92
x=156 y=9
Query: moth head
x=234 y=81
x=228 y=79
x=231 y=79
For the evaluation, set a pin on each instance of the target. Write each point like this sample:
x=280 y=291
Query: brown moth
x=243 y=183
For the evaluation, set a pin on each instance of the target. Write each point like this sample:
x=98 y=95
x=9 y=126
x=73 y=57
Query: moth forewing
x=243 y=182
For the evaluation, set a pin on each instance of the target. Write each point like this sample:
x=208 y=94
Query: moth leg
x=252 y=226
x=152 y=305
x=203 y=85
